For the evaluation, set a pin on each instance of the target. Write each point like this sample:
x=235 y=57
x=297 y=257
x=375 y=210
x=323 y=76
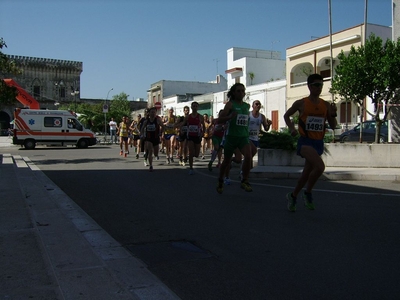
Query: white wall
x=272 y=96
x=265 y=65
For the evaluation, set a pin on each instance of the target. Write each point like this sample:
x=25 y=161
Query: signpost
x=157 y=105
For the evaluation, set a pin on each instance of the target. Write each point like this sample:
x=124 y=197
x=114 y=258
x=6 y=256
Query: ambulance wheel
x=29 y=144
x=82 y=143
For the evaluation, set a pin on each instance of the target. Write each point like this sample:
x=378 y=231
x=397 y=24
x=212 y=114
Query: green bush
x=278 y=140
x=283 y=140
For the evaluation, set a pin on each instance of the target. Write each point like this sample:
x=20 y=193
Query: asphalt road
x=237 y=245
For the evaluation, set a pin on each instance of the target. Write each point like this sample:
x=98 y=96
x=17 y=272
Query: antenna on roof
x=216 y=60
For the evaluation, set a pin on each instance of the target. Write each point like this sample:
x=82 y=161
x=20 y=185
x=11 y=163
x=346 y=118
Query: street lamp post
x=105 y=110
x=59 y=84
x=75 y=91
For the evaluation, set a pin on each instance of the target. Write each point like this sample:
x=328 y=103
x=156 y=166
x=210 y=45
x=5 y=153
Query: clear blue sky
x=129 y=44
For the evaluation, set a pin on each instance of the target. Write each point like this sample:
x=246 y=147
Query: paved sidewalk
x=51 y=249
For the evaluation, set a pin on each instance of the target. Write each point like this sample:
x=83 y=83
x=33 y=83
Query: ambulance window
x=71 y=123
x=52 y=122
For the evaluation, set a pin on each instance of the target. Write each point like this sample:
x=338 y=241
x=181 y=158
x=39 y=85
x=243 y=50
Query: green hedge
x=283 y=140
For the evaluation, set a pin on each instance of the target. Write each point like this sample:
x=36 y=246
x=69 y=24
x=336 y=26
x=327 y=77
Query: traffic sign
x=157 y=105
x=105 y=108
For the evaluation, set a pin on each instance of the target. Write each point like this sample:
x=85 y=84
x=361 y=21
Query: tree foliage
x=7 y=67
x=92 y=116
x=119 y=106
x=371 y=70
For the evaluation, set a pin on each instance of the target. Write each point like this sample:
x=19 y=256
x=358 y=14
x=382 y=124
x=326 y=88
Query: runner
x=136 y=137
x=134 y=128
x=237 y=135
x=313 y=114
x=169 y=135
x=123 y=136
x=182 y=138
x=151 y=131
x=142 y=120
x=195 y=123
x=217 y=128
x=205 y=144
x=256 y=120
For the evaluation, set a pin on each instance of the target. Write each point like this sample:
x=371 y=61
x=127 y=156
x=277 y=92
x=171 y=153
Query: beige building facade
x=315 y=57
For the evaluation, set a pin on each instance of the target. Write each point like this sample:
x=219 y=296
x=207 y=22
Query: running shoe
x=121 y=153
x=203 y=157
x=308 y=201
x=291 y=202
x=151 y=169
x=246 y=186
x=157 y=157
x=172 y=159
x=168 y=161
x=184 y=163
x=191 y=172
x=220 y=186
x=145 y=163
x=210 y=166
x=227 y=181
x=137 y=156
x=145 y=156
x=126 y=155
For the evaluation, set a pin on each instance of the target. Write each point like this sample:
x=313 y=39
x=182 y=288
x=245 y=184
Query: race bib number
x=253 y=133
x=193 y=128
x=151 y=127
x=242 y=120
x=184 y=129
x=315 y=124
x=219 y=128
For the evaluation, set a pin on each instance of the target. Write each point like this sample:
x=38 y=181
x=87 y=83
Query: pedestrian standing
x=113 y=131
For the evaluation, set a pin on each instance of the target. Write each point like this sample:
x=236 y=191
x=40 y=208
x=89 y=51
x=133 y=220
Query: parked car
x=368 y=133
x=334 y=134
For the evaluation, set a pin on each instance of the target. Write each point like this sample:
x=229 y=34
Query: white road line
x=7 y=159
x=319 y=190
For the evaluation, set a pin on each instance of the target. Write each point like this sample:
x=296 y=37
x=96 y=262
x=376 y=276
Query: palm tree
x=251 y=74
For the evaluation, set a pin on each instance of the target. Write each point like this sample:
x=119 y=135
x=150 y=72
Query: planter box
x=339 y=155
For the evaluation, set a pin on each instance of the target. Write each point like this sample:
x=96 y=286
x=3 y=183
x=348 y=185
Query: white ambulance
x=50 y=127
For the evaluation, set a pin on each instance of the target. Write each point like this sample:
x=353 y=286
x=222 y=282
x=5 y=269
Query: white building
x=254 y=66
x=168 y=93
x=267 y=84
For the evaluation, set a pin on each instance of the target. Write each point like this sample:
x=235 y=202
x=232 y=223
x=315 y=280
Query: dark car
x=368 y=133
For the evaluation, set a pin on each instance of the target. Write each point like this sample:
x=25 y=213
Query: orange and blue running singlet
x=312 y=120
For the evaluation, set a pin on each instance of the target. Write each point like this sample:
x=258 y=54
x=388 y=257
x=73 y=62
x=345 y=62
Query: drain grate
x=167 y=252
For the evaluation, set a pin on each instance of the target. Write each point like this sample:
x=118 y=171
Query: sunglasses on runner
x=317 y=84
